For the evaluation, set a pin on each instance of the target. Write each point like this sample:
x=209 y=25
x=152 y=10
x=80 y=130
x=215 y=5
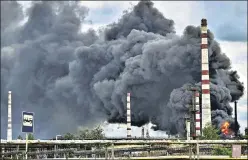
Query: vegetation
x=245 y=136
x=82 y=134
x=96 y=133
x=222 y=151
x=210 y=133
x=30 y=137
x=69 y=136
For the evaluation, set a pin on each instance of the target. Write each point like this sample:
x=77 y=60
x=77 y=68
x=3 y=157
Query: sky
x=228 y=21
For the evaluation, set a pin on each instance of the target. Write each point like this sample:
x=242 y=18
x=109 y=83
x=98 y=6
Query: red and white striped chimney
x=9 y=129
x=128 y=116
x=197 y=115
x=206 y=104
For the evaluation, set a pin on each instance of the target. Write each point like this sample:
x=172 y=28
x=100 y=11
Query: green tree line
x=30 y=137
x=81 y=134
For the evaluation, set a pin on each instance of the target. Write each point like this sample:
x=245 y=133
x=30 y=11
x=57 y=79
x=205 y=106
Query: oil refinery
x=134 y=73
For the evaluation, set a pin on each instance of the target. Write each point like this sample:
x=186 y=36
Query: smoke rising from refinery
x=69 y=78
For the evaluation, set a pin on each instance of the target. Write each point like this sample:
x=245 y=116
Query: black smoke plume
x=69 y=78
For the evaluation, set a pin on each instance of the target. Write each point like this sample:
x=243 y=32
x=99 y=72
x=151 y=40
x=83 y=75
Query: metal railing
x=119 y=149
x=147 y=141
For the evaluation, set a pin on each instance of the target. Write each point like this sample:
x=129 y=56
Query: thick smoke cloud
x=143 y=17
x=11 y=15
x=69 y=78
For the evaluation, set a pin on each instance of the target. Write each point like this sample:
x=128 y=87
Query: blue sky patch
x=228 y=19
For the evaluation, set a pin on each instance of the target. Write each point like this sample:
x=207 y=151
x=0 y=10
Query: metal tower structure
x=205 y=85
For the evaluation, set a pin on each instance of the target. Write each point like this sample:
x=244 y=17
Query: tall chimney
x=206 y=104
x=9 y=130
x=147 y=130
x=128 y=116
x=143 y=132
x=197 y=115
x=187 y=129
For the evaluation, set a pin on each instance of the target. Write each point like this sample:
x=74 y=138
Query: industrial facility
x=131 y=146
x=137 y=74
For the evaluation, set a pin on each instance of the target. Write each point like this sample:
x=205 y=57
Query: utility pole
x=236 y=119
x=235 y=115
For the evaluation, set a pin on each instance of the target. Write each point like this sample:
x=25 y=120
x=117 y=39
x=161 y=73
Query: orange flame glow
x=225 y=128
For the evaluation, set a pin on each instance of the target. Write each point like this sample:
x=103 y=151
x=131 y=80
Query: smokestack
x=197 y=115
x=206 y=105
x=9 y=130
x=147 y=133
x=236 y=119
x=188 y=129
x=128 y=116
x=143 y=132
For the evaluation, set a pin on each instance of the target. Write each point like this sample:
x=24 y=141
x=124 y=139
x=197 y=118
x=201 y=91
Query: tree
x=82 y=134
x=246 y=133
x=210 y=133
x=222 y=151
x=96 y=133
x=85 y=133
x=20 y=137
x=69 y=136
x=30 y=136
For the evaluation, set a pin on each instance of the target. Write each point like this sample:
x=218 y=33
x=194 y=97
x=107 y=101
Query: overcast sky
x=228 y=21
